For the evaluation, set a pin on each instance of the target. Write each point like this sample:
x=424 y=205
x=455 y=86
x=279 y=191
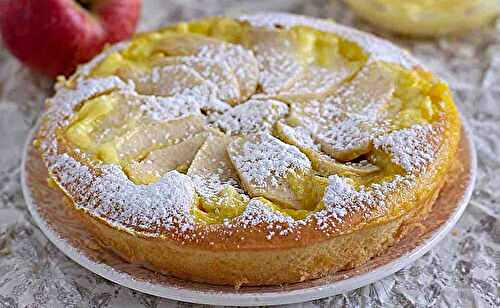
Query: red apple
x=54 y=36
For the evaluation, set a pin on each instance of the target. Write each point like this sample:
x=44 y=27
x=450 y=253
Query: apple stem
x=86 y=4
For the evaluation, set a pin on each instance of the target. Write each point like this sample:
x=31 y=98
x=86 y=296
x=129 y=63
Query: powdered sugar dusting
x=412 y=148
x=299 y=136
x=240 y=61
x=341 y=199
x=337 y=196
x=347 y=135
x=208 y=186
x=259 y=213
x=252 y=116
x=281 y=69
x=264 y=160
x=165 y=203
x=168 y=108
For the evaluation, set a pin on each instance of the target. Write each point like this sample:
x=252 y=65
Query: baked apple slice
x=316 y=81
x=241 y=61
x=268 y=167
x=353 y=109
x=216 y=181
x=182 y=44
x=216 y=73
x=165 y=80
x=347 y=139
x=212 y=158
x=366 y=94
x=252 y=116
x=102 y=118
x=300 y=62
x=147 y=137
x=276 y=54
x=158 y=162
x=322 y=163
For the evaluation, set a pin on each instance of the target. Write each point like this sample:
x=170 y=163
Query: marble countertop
x=462 y=271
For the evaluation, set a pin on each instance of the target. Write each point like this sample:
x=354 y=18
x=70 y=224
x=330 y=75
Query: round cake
x=427 y=17
x=259 y=150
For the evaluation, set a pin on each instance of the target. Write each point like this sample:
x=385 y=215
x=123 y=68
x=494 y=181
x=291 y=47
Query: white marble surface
x=463 y=271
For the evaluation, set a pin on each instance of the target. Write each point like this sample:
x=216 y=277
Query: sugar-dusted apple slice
x=305 y=113
x=165 y=80
x=297 y=136
x=267 y=167
x=276 y=53
x=353 y=109
x=126 y=113
x=158 y=162
x=144 y=138
x=366 y=94
x=132 y=109
x=253 y=116
x=216 y=181
x=217 y=73
x=329 y=61
x=240 y=60
x=160 y=108
x=213 y=159
x=321 y=79
x=411 y=148
x=317 y=81
x=102 y=118
x=347 y=139
x=324 y=164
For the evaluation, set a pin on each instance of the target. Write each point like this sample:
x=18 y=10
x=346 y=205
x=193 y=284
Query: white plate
x=50 y=213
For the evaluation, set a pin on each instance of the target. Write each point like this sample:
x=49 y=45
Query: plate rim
x=252 y=298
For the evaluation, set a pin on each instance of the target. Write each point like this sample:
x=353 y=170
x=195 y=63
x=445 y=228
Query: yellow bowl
x=427 y=17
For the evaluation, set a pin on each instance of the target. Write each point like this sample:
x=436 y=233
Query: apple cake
x=258 y=150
